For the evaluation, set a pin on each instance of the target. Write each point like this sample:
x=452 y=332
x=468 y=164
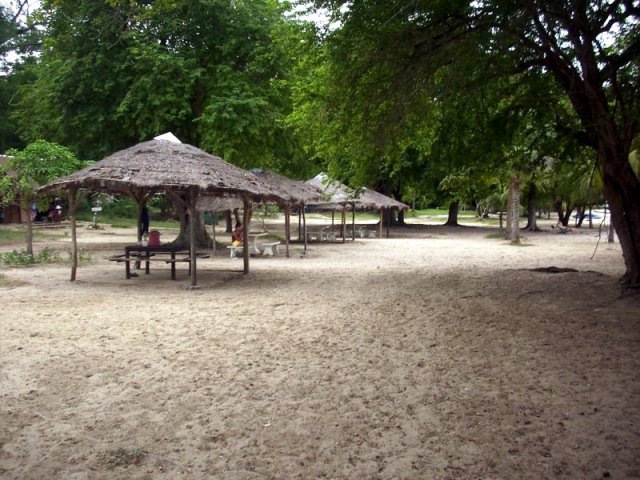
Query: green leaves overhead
x=37 y=164
x=214 y=72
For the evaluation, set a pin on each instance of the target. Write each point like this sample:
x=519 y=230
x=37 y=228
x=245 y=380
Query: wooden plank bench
x=187 y=259
x=132 y=258
x=270 y=248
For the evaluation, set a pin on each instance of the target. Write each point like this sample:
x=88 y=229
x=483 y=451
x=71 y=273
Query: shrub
x=20 y=257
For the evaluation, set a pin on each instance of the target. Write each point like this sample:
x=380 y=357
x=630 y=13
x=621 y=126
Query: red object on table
x=154 y=238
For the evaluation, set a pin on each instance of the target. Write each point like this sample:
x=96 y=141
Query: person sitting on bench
x=237 y=235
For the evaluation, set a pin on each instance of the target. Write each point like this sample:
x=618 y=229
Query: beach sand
x=435 y=354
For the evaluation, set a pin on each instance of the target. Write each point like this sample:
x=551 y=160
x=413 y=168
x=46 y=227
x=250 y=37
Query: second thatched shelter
x=340 y=197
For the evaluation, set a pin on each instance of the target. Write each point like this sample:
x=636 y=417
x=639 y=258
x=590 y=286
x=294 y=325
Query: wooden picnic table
x=147 y=254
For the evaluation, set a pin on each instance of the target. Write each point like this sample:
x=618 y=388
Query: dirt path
x=436 y=354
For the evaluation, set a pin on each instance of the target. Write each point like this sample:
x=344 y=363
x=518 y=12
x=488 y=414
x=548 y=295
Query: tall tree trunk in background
x=452 y=219
x=388 y=217
x=532 y=223
x=513 y=211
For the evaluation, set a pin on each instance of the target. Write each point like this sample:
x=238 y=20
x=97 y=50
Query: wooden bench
x=137 y=258
x=173 y=262
x=132 y=258
x=270 y=249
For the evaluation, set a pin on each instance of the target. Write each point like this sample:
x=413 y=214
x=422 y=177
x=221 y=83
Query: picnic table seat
x=270 y=248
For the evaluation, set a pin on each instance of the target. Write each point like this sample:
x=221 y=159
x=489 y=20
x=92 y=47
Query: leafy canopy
x=26 y=170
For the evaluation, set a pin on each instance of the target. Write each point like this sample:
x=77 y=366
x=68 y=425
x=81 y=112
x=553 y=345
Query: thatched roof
x=334 y=194
x=161 y=164
x=338 y=195
x=293 y=191
x=381 y=200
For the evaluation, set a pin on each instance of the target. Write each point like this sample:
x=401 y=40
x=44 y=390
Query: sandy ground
x=436 y=354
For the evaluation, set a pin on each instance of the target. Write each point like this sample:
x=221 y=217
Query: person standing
x=144 y=221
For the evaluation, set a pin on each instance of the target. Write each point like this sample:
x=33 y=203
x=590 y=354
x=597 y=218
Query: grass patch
x=9 y=282
x=168 y=224
x=123 y=224
x=522 y=244
x=21 y=258
x=124 y=456
x=11 y=236
x=84 y=257
x=496 y=236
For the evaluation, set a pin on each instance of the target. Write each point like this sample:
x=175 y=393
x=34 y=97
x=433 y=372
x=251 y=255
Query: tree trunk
x=73 y=208
x=622 y=188
x=29 y=233
x=532 y=219
x=388 y=217
x=611 y=231
x=452 y=219
x=513 y=212
x=184 y=238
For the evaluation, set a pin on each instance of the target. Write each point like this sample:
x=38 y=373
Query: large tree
x=215 y=73
x=590 y=49
x=39 y=163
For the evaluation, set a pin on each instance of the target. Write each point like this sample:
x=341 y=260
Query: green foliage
x=125 y=456
x=120 y=207
x=475 y=89
x=39 y=163
x=22 y=258
x=219 y=81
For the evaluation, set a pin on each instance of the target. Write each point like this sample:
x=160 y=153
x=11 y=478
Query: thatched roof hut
x=290 y=190
x=294 y=192
x=164 y=165
x=183 y=171
x=377 y=200
x=337 y=196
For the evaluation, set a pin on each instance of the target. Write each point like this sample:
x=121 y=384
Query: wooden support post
x=353 y=221
x=246 y=219
x=73 y=206
x=388 y=221
x=287 y=227
x=193 y=197
x=213 y=231
x=304 y=227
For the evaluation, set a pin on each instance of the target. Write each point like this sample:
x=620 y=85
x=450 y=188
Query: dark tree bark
x=452 y=219
x=532 y=219
x=184 y=237
x=622 y=188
